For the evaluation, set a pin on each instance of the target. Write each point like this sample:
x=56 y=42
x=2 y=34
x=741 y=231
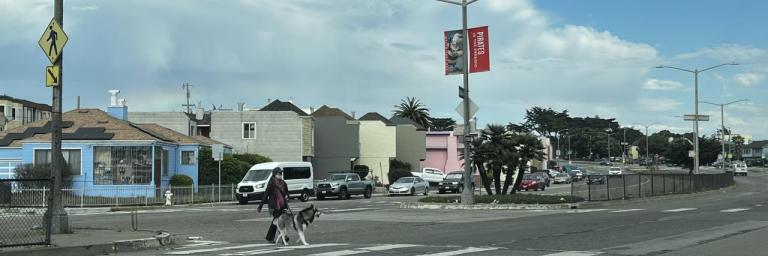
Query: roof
x=92 y=124
x=27 y=103
x=277 y=105
x=373 y=116
x=178 y=137
x=757 y=144
x=326 y=111
x=405 y=121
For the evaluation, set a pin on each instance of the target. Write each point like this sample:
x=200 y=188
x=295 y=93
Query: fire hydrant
x=168 y=197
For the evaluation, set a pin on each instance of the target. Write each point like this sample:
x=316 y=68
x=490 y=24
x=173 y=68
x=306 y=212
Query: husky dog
x=300 y=221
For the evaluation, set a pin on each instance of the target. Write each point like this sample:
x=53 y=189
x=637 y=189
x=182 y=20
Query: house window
x=188 y=158
x=7 y=168
x=71 y=158
x=13 y=114
x=120 y=165
x=249 y=130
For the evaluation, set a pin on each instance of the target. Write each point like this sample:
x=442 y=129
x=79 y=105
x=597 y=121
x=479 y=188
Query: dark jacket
x=275 y=194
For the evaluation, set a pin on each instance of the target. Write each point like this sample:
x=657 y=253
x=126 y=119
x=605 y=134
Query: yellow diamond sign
x=53 y=40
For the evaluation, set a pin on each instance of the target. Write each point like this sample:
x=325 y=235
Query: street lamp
x=722 y=123
x=646 y=137
x=558 y=143
x=696 y=111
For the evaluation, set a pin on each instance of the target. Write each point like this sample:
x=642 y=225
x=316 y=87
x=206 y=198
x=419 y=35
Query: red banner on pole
x=479 y=50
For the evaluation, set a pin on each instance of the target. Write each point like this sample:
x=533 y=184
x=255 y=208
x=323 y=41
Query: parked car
x=430 y=175
x=344 y=185
x=740 y=169
x=544 y=177
x=409 y=186
x=563 y=178
x=595 y=178
x=553 y=173
x=297 y=175
x=531 y=181
x=454 y=182
x=606 y=163
x=577 y=175
x=614 y=171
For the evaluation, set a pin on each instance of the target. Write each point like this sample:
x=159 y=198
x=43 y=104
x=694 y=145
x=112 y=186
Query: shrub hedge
x=507 y=199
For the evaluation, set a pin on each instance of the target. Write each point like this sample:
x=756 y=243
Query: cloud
x=727 y=53
x=662 y=85
x=659 y=104
x=749 y=79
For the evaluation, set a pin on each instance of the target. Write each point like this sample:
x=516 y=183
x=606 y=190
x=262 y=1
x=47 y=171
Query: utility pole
x=467 y=197
x=696 y=73
x=58 y=216
x=722 y=124
x=187 y=86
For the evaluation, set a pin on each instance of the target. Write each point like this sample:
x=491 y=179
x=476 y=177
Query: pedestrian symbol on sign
x=52 y=35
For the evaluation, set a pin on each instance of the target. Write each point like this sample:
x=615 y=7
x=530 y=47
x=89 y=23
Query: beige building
x=378 y=144
x=17 y=112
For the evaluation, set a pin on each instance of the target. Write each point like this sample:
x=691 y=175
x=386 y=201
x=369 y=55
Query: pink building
x=443 y=152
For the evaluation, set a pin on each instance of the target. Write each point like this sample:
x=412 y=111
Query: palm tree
x=497 y=141
x=480 y=155
x=530 y=148
x=413 y=109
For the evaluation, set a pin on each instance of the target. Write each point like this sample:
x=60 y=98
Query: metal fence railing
x=627 y=186
x=23 y=219
x=126 y=196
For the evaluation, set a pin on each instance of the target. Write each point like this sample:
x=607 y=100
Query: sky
x=593 y=58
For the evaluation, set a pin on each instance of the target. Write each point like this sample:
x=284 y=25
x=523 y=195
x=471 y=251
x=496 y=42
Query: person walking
x=276 y=198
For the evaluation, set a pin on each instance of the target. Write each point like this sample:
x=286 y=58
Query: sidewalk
x=84 y=242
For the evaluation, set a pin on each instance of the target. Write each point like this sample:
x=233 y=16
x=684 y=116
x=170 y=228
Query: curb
x=160 y=240
x=488 y=206
x=92 y=210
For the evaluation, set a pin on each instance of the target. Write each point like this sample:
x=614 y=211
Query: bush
x=395 y=174
x=509 y=199
x=252 y=159
x=362 y=171
x=232 y=170
x=180 y=181
x=397 y=164
x=30 y=171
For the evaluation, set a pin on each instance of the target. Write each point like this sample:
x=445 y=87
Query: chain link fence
x=23 y=216
x=627 y=186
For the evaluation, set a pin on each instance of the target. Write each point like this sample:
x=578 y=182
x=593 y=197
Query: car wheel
x=413 y=191
x=368 y=192
x=304 y=196
x=426 y=191
x=242 y=201
x=543 y=188
x=343 y=194
x=526 y=189
x=461 y=189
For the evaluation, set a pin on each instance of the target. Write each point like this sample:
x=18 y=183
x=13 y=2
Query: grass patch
x=507 y=199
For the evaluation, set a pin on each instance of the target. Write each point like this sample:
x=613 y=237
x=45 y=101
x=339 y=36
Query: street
x=703 y=223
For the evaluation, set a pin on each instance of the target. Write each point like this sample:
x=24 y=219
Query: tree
x=398 y=169
x=497 y=143
x=480 y=155
x=232 y=170
x=545 y=121
x=413 y=109
x=738 y=144
x=679 y=153
x=442 y=124
x=530 y=148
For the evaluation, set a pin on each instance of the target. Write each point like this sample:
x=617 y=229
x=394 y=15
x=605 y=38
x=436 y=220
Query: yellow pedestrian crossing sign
x=53 y=40
x=52 y=76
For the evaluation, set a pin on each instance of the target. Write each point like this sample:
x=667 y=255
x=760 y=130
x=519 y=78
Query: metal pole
x=467 y=197
x=558 y=145
x=569 y=146
x=722 y=134
x=59 y=220
x=219 y=179
x=696 y=123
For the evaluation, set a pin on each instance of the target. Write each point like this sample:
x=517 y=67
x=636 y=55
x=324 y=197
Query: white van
x=298 y=176
x=740 y=169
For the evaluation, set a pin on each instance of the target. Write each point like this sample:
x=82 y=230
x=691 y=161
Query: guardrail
x=627 y=186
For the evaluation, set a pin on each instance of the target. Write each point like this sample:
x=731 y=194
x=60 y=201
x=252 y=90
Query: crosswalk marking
x=366 y=250
x=462 y=251
x=736 y=210
x=257 y=252
x=573 y=253
x=187 y=252
x=628 y=210
x=198 y=243
x=586 y=210
x=679 y=210
x=348 y=210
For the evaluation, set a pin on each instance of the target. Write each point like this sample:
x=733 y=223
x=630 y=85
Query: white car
x=297 y=175
x=740 y=169
x=614 y=171
x=430 y=175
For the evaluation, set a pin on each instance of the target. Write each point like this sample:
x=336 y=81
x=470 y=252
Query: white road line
x=736 y=210
x=587 y=210
x=628 y=210
x=462 y=251
x=349 y=210
x=198 y=243
x=366 y=250
x=573 y=253
x=216 y=249
x=679 y=210
x=257 y=252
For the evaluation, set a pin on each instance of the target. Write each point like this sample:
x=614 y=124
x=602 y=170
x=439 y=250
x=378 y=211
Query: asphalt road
x=732 y=221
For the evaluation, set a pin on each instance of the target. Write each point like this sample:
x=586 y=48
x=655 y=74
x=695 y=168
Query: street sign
x=461 y=92
x=217 y=150
x=693 y=117
x=473 y=108
x=53 y=40
x=52 y=75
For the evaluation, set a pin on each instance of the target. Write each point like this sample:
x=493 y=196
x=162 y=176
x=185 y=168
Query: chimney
x=241 y=106
x=353 y=115
x=311 y=110
x=199 y=112
x=117 y=107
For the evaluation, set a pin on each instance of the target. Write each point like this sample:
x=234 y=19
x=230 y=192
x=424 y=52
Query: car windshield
x=257 y=175
x=337 y=177
x=562 y=175
x=527 y=177
x=453 y=176
x=405 y=180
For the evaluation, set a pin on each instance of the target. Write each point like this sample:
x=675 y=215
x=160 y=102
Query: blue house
x=106 y=153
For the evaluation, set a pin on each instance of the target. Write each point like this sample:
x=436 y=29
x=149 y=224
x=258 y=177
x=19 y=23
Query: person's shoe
x=287 y=239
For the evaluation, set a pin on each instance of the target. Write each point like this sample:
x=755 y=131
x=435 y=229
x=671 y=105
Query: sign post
x=217 y=151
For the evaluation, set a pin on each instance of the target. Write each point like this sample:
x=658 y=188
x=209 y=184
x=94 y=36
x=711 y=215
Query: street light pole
x=696 y=108
x=722 y=124
x=467 y=197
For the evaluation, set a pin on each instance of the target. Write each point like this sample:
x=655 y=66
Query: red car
x=532 y=182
